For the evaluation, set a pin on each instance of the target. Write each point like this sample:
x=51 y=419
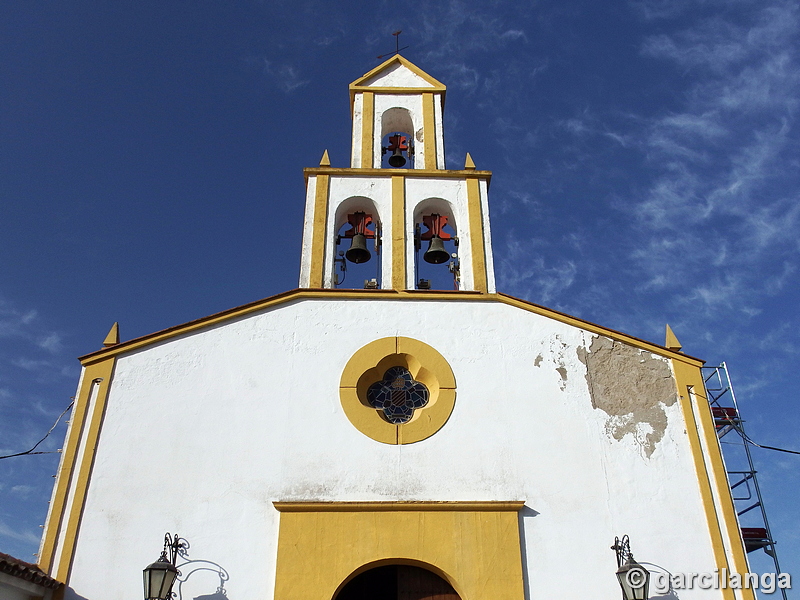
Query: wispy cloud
x=534 y=277
x=25 y=324
x=22 y=491
x=721 y=160
x=287 y=77
x=18 y=535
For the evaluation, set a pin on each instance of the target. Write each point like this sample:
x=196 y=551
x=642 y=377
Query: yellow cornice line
x=598 y=329
x=301 y=294
x=371 y=172
x=396 y=91
x=419 y=506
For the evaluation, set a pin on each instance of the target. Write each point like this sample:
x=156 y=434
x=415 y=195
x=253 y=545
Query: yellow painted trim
x=388 y=91
x=369 y=364
x=429 y=130
x=318 y=231
x=419 y=173
x=689 y=380
x=476 y=235
x=74 y=476
x=65 y=470
x=396 y=91
x=495 y=505
x=476 y=549
x=367 y=131
x=398 y=232
x=434 y=295
x=358 y=85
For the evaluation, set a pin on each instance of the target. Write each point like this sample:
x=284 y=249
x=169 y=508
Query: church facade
x=395 y=440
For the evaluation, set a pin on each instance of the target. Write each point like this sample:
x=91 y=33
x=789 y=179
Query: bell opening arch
x=434 y=229
x=344 y=267
x=397 y=579
x=397 y=138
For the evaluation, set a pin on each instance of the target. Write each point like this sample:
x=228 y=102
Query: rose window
x=397 y=395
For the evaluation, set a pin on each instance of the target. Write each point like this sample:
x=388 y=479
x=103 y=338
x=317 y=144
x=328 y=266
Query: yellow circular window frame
x=425 y=364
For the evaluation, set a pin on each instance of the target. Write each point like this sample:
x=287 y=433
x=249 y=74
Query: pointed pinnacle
x=469 y=165
x=325 y=161
x=672 y=342
x=112 y=339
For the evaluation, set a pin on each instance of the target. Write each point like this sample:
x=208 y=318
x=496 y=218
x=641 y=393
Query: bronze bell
x=358 y=252
x=397 y=159
x=436 y=254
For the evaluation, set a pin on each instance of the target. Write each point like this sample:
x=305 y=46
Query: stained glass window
x=397 y=395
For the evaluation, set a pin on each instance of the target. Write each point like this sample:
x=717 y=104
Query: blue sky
x=645 y=158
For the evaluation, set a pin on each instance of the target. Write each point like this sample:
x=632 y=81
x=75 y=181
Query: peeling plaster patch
x=632 y=387
x=554 y=350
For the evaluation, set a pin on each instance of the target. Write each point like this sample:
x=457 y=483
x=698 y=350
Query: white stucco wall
x=308 y=233
x=397 y=75
x=438 y=109
x=202 y=434
x=358 y=118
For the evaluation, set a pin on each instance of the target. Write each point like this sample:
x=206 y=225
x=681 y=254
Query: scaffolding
x=741 y=471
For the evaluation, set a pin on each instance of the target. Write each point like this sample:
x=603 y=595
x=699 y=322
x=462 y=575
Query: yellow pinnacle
x=672 y=342
x=112 y=339
x=468 y=164
x=325 y=161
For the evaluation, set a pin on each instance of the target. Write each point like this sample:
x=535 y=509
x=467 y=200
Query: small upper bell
x=397 y=159
x=436 y=254
x=358 y=252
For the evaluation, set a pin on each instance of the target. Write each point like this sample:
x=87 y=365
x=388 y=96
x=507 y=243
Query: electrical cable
x=31 y=451
x=747 y=439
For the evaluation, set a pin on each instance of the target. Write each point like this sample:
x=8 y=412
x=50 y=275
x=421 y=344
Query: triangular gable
x=397 y=72
x=306 y=294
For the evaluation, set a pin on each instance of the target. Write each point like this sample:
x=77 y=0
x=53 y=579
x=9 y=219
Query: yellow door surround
x=474 y=546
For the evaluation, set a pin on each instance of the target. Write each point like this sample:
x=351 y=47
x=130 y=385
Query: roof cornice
x=424 y=295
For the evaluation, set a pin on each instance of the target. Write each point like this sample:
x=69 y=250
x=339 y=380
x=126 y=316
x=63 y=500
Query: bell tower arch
x=416 y=209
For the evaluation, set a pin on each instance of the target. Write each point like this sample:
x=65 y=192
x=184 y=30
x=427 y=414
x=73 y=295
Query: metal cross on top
x=397 y=47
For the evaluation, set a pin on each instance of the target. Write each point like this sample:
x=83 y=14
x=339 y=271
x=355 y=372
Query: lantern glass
x=158 y=579
x=634 y=580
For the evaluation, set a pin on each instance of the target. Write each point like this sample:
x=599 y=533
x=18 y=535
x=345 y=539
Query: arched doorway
x=397 y=582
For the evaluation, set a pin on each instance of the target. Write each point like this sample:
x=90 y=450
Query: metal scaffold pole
x=743 y=481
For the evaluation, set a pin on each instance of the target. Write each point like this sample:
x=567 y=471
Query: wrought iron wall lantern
x=160 y=576
x=633 y=578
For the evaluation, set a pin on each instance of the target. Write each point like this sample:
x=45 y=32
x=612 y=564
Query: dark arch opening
x=397 y=582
